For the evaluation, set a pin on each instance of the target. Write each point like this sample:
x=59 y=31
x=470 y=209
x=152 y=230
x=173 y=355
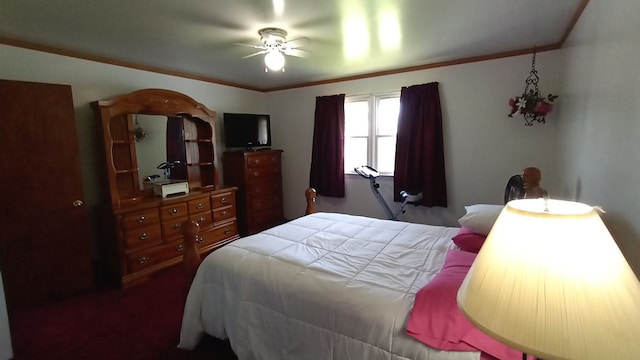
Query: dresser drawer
x=266 y=202
x=173 y=211
x=148 y=257
x=260 y=160
x=199 y=205
x=140 y=218
x=265 y=219
x=223 y=199
x=224 y=213
x=262 y=173
x=203 y=219
x=172 y=227
x=264 y=188
x=143 y=236
x=217 y=234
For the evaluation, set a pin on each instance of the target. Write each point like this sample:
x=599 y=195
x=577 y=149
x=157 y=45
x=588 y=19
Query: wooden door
x=45 y=246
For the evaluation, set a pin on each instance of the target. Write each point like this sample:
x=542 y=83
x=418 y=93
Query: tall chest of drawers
x=150 y=233
x=258 y=177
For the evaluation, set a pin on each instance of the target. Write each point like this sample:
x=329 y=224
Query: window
x=371 y=122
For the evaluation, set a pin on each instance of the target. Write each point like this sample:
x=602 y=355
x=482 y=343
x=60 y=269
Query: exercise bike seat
x=411 y=198
x=366 y=171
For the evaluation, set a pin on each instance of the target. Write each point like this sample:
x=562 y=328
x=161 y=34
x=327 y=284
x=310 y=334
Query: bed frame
x=530 y=189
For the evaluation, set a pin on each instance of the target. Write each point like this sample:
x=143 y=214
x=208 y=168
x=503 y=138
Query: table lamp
x=551 y=282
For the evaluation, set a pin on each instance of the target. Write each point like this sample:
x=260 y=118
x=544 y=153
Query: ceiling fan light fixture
x=274 y=60
x=272 y=36
x=274 y=47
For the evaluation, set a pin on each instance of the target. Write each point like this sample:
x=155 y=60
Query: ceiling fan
x=275 y=46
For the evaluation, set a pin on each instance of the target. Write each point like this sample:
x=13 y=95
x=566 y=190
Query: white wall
x=483 y=147
x=600 y=117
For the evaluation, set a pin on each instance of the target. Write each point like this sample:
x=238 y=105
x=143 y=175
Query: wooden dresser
x=258 y=177
x=147 y=228
x=149 y=236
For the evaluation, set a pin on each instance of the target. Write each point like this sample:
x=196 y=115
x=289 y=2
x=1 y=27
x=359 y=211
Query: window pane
x=387 y=115
x=356 y=118
x=355 y=153
x=386 y=154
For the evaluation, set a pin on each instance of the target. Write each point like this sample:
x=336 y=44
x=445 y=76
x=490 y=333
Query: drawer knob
x=180 y=247
x=256 y=161
x=176 y=226
x=142 y=218
x=224 y=212
x=201 y=219
x=143 y=236
x=227 y=231
x=173 y=211
x=223 y=200
x=143 y=259
x=256 y=174
x=199 y=240
x=199 y=206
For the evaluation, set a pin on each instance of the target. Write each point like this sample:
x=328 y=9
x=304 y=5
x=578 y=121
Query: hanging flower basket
x=532 y=105
x=138 y=133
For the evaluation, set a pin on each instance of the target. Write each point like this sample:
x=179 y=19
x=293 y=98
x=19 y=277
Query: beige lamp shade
x=550 y=281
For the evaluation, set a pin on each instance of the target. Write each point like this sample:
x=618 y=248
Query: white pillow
x=480 y=217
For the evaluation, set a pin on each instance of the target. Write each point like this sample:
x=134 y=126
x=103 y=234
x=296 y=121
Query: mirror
x=150 y=132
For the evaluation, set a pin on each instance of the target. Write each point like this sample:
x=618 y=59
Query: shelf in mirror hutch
x=147 y=236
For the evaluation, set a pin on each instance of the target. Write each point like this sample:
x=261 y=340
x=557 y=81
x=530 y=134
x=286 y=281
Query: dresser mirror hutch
x=147 y=227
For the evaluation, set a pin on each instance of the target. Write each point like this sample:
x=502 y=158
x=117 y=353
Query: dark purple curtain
x=419 y=146
x=176 y=151
x=327 y=157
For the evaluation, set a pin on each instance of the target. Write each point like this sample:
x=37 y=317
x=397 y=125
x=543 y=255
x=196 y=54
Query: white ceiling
x=346 y=37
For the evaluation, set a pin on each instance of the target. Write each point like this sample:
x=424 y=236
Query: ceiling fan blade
x=296 y=43
x=250 y=45
x=296 y=52
x=255 y=54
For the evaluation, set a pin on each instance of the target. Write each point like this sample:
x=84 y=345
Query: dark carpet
x=138 y=323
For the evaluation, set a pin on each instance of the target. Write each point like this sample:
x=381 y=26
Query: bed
x=324 y=286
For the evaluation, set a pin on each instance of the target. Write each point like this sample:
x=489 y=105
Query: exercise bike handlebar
x=367 y=171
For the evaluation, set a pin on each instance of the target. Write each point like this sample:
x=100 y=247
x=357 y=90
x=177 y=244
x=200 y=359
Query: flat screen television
x=247 y=131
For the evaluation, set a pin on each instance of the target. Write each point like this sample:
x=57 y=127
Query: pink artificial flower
x=543 y=108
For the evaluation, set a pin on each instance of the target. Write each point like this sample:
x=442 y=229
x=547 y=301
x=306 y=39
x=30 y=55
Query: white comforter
x=325 y=286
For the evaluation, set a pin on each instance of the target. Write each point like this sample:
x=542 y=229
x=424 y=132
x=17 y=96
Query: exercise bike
x=370 y=173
